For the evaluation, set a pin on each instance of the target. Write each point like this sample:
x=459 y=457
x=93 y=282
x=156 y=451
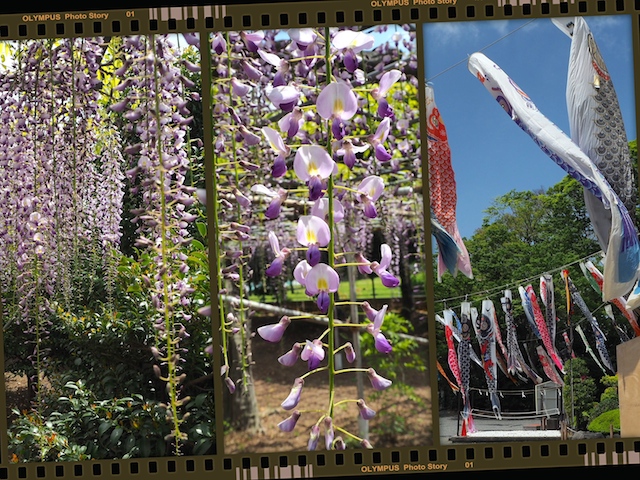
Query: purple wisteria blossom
x=313 y=353
x=275 y=268
x=365 y=412
x=276 y=143
x=312 y=164
x=288 y=424
x=274 y=332
x=293 y=398
x=313 y=233
x=378 y=382
x=370 y=190
x=337 y=102
x=322 y=280
x=291 y=357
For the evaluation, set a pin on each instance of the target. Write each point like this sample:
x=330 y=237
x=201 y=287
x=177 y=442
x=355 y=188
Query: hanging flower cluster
x=337 y=176
x=154 y=102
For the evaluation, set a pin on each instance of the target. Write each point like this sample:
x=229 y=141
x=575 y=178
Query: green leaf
x=202 y=228
x=104 y=426
x=115 y=435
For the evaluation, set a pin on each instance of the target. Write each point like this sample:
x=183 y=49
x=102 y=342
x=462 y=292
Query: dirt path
x=403 y=414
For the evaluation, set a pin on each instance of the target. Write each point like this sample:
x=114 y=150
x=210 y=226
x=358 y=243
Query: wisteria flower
x=348 y=152
x=377 y=382
x=291 y=122
x=277 y=199
x=313 y=353
x=351 y=43
x=282 y=67
x=365 y=412
x=219 y=44
x=320 y=208
x=380 y=93
x=288 y=424
x=303 y=37
x=378 y=139
x=281 y=150
x=386 y=82
x=370 y=190
x=239 y=88
x=275 y=268
x=300 y=273
x=313 y=232
x=365 y=443
x=293 y=398
x=273 y=333
x=329 y=433
x=349 y=352
x=312 y=165
x=231 y=386
x=291 y=357
x=314 y=437
x=337 y=102
x=252 y=40
x=380 y=341
x=322 y=280
x=250 y=70
x=380 y=268
x=284 y=97
x=339 y=443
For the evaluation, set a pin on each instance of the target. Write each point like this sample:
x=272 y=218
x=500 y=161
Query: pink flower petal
x=322 y=278
x=301 y=271
x=312 y=161
x=337 y=100
x=357 y=41
x=313 y=230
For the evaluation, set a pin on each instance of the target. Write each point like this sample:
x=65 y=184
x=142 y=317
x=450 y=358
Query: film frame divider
x=212 y=18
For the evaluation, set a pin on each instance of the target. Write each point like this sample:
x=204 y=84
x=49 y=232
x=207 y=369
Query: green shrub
x=603 y=423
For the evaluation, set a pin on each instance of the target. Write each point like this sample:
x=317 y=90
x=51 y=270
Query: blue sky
x=490 y=154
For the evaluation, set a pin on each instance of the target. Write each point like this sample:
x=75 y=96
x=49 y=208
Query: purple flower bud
x=250 y=138
x=314 y=436
x=365 y=412
x=378 y=382
x=273 y=210
x=382 y=344
x=337 y=129
x=230 y=385
x=289 y=423
x=291 y=357
x=252 y=72
x=349 y=352
x=241 y=199
x=370 y=210
x=275 y=268
x=313 y=254
x=381 y=153
x=328 y=433
x=279 y=167
x=219 y=44
x=365 y=443
x=384 y=109
x=350 y=61
x=315 y=188
x=387 y=279
x=239 y=89
x=274 y=332
x=339 y=444
x=294 y=395
x=323 y=301
x=313 y=353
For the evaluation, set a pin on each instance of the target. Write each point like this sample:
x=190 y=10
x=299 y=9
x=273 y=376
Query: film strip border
x=326 y=464
x=290 y=15
x=607 y=452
